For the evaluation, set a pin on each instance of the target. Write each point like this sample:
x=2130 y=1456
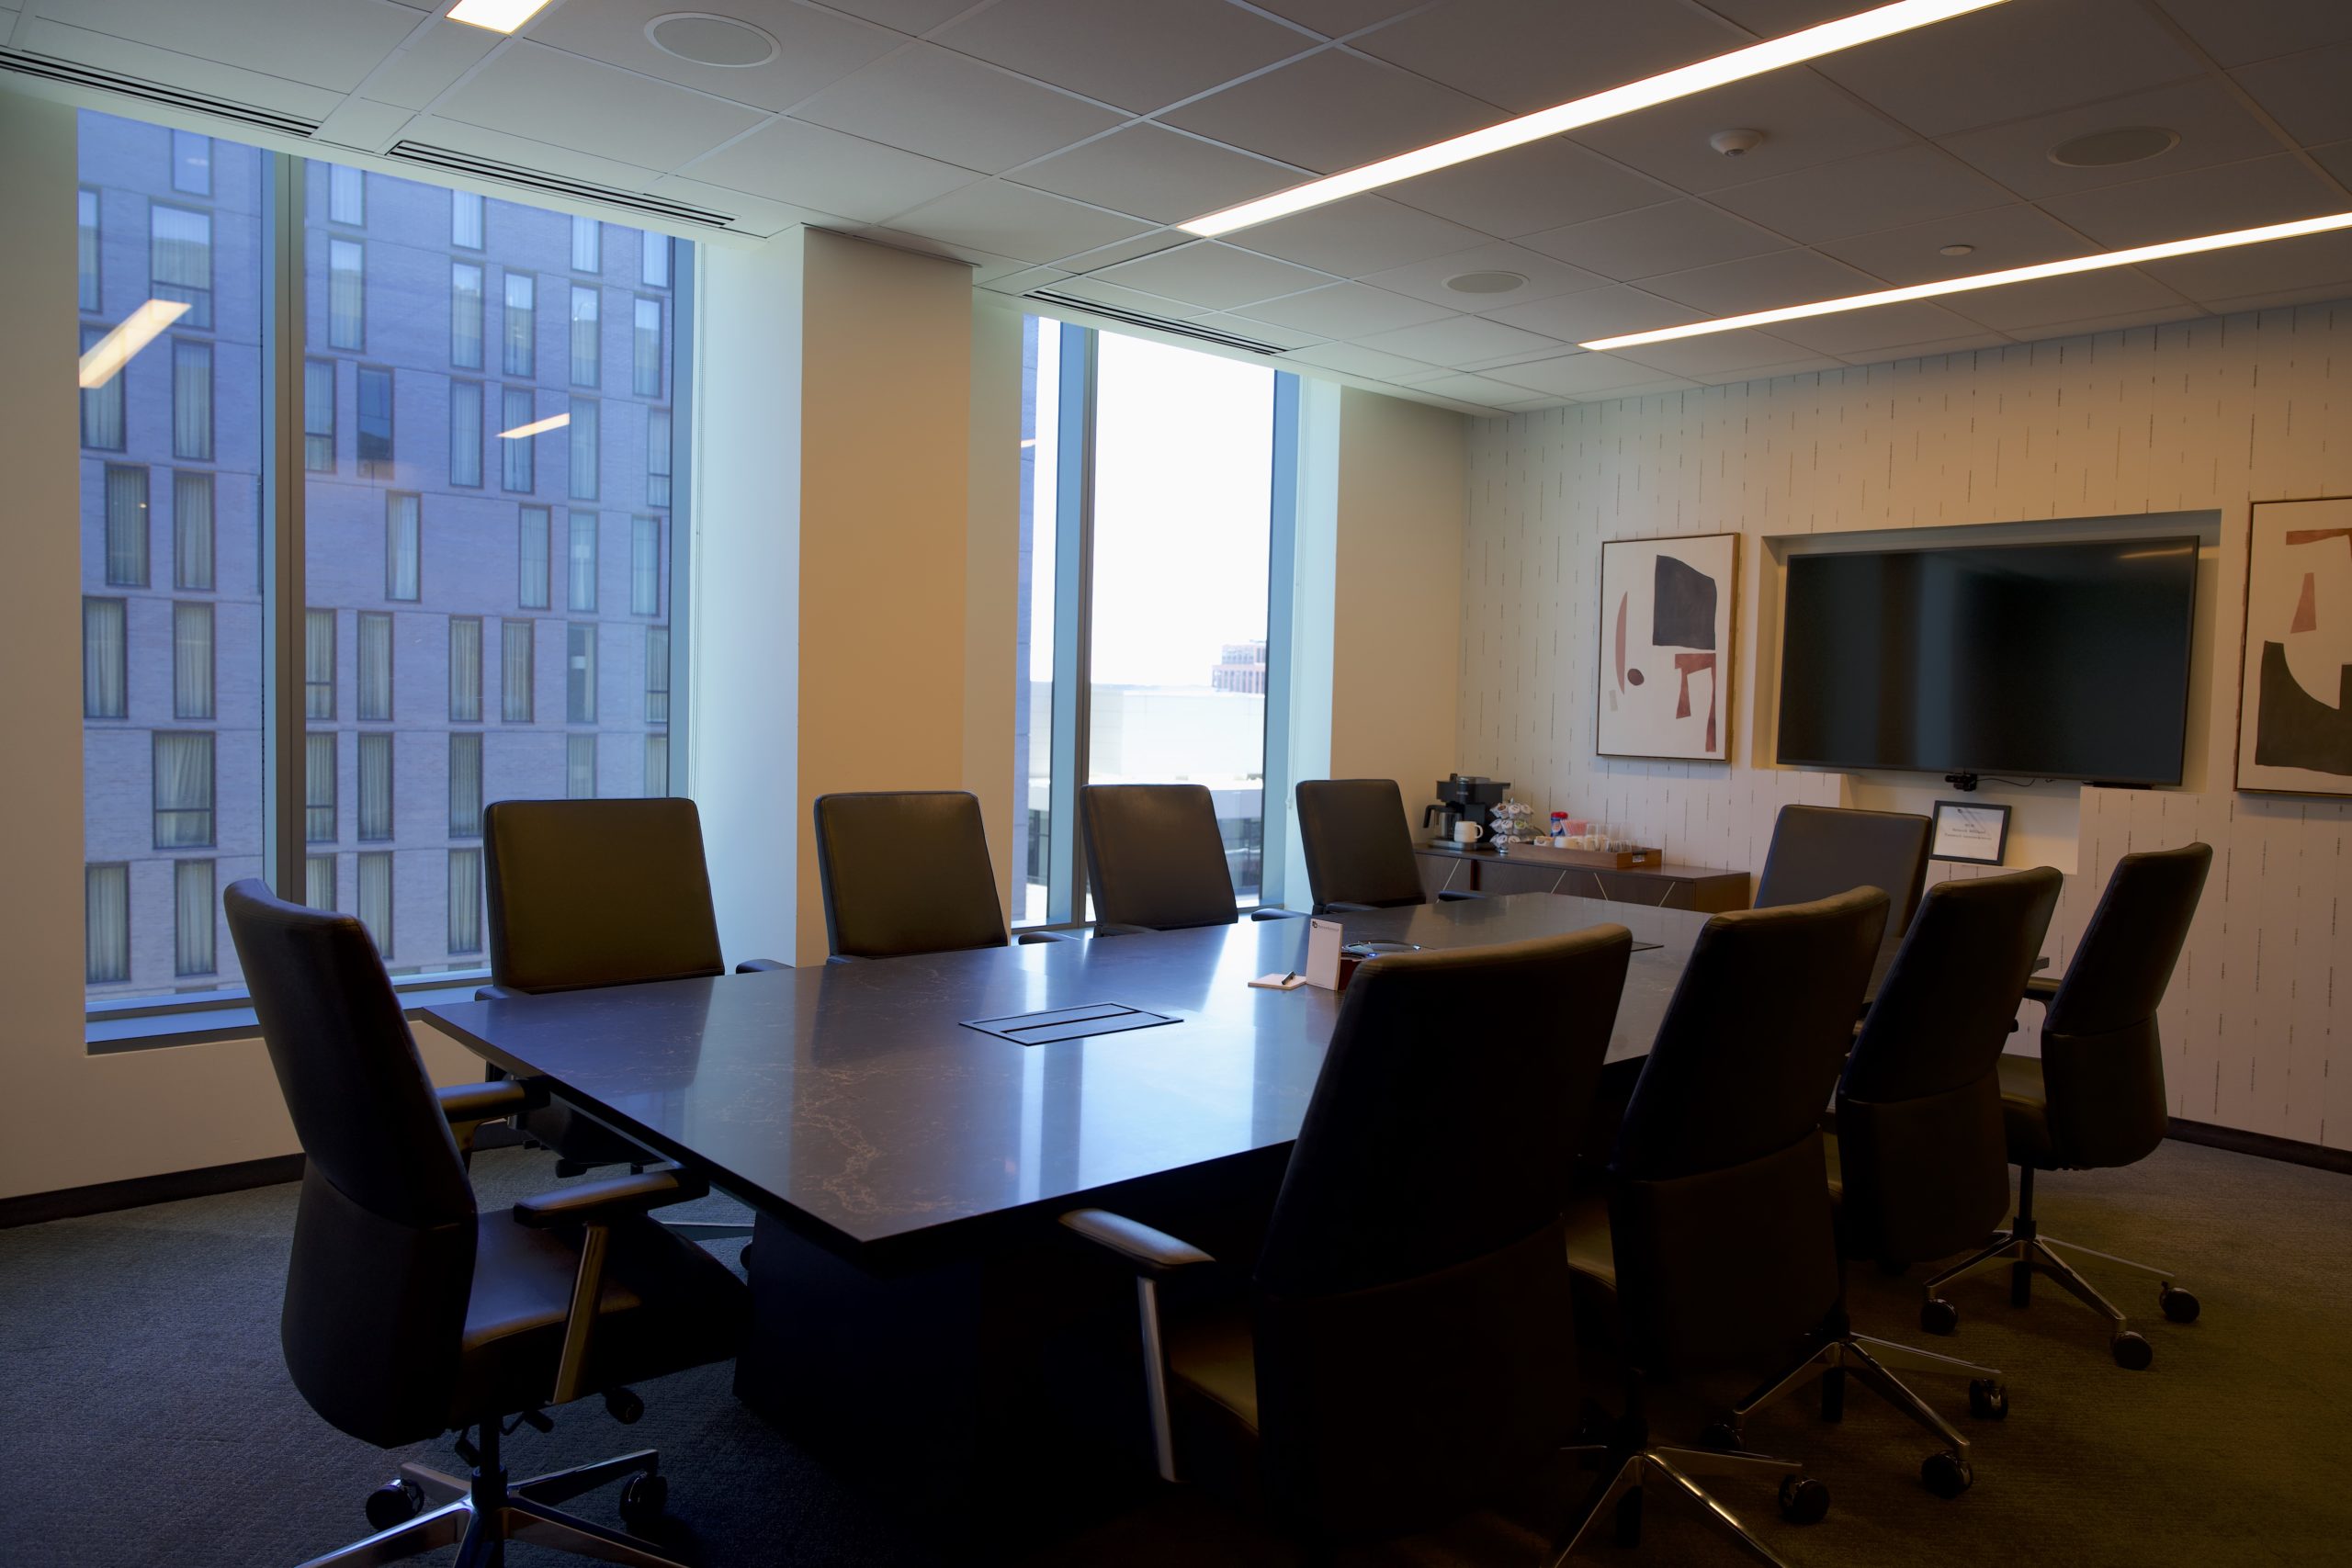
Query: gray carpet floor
x=147 y=1419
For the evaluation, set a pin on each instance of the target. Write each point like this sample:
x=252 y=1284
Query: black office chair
x=907 y=871
x=1918 y=1144
x=1359 y=849
x=589 y=893
x=1716 y=1247
x=1818 y=851
x=2096 y=1099
x=1155 y=859
x=1407 y=1348
x=410 y=1314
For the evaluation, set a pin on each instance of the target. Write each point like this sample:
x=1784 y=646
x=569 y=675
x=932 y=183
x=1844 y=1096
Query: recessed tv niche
x=2066 y=660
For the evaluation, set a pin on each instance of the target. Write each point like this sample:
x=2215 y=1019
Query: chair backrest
x=1919 y=1136
x=906 y=872
x=598 y=892
x=1359 y=849
x=1719 y=1186
x=2102 y=1065
x=1820 y=850
x=383 y=1255
x=1154 y=856
x=1414 y=1339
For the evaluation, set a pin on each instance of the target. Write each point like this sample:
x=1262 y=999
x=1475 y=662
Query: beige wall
x=2196 y=417
x=992 y=579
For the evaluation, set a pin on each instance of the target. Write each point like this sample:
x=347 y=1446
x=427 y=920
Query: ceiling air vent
x=1157 y=323
x=458 y=162
x=54 y=70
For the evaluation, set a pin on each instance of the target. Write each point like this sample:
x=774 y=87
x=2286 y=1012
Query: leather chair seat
x=2025 y=1111
x=667 y=1305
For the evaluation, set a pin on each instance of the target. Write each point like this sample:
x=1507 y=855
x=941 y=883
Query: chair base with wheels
x=1634 y=1463
x=2028 y=1252
x=427 y=1509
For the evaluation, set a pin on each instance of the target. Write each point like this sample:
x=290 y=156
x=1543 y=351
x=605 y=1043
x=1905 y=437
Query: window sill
x=152 y=1023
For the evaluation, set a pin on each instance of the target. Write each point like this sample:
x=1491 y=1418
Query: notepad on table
x=1278 y=982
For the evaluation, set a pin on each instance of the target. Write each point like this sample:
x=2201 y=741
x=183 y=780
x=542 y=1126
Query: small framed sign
x=1968 y=832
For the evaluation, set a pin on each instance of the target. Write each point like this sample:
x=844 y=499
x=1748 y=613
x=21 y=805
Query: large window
x=178 y=649
x=1163 y=665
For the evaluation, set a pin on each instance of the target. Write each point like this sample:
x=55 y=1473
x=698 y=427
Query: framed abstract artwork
x=1666 y=646
x=2295 y=684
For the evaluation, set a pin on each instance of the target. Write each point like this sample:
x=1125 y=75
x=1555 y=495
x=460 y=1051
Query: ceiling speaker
x=707 y=40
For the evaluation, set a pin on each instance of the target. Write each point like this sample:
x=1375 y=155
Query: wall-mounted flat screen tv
x=2067 y=660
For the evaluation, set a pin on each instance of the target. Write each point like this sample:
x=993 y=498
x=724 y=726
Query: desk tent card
x=2295 y=689
x=1666 y=646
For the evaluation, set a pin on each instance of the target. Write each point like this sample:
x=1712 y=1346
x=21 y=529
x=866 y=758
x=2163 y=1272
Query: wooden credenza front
x=1538 y=868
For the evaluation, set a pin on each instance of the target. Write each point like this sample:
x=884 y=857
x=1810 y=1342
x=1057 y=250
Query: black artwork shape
x=1683 y=606
x=2296 y=729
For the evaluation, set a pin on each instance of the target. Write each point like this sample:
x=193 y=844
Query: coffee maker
x=1463 y=797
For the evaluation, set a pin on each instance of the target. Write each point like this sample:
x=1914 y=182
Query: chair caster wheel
x=1946 y=1474
x=644 y=1500
x=1719 y=1436
x=2131 y=1352
x=624 y=1406
x=395 y=1503
x=1803 y=1500
x=1988 y=1399
x=2178 y=1304
x=1938 y=1315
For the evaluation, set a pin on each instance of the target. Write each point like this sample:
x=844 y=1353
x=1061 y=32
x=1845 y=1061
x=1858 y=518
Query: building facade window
x=193 y=929
x=515 y=672
x=465 y=900
x=102 y=405
x=106 y=915
x=375 y=448
x=521 y=355
x=404 y=545
x=375 y=666
x=645 y=566
x=465 y=315
x=126 y=524
x=87 y=250
x=514 y=451
x=191 y=400
x=645 y=350
x=346 y=194
x=465 y=784
x=657 y=675
x=579 y=673
x=465 y=669
x=179 y=261
x=318 y=416
x=580 y=767
x=192 y=551
x=465 y=435
x=183 y=789
x=656 y=260
x=465 y=220
x=585 y=416
x=532 y=565
x=657 y=457
x=106 y=658
x=657 y=766
x=318 y=787
x=375 y=910
x=587 y=354
x=579 y=560
x=347 y=295
x=587 y=244
x=374 y=785
x=192 y=659
x=192 y=162
x=318 y=664
x=318 y=881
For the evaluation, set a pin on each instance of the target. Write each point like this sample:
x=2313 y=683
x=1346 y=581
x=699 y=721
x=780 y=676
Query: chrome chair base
x=1829 y=1362
x=1616 y=1502
x=478 y=1517
x=2028 y=1253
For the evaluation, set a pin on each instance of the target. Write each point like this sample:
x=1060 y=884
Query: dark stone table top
x=850 y=1100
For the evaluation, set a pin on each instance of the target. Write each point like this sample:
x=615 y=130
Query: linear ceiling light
x=497 y=15
x=2236 y=237
x=539 y=428
x=1739 y=65
x=107 y=356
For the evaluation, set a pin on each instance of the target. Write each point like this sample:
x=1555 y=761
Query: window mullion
x=1073 y=622
x=284 y=591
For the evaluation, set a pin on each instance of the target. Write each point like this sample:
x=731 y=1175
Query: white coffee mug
x=1466 y=832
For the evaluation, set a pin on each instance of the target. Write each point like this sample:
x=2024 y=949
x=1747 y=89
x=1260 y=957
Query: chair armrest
x=759 y=966
x=2041 y=987
x=1113 y=928
x=1445 y=897
x=1346 y=907
x=471 y=1102
x=1152 y=1253
x=601 y=1202
x=1030 y=939
x=497 y=993
x=1278 y=914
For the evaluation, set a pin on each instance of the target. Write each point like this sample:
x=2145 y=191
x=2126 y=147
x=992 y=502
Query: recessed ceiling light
x=1955 y=250
x=495 y=16
x=1486 y=282
x=708 y=39
x=2169 y=248
x=2124 y=145
x=1811 y=43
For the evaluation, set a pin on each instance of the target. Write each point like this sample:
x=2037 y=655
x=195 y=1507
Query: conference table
x=907 y=1130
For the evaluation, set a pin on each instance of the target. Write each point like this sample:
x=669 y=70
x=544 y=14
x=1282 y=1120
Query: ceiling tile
x=1471 y=389
x=2202 y=201
x=2213 y=125
x=565 y=161
x=1344 y=310
x=1335 y=17
x=2337 y=160
x=1873 y=330
x=1151 y=242
x=1013 y=220
x=1333 y=110
x=1270 y=333
x=1133 y=300
x=1145 y=59
x=1158 y=173
x=365 y=124
x=951 y=107
x=814 y=48
x=548 y=96
x=1213 y=275
x=1362 y=234
x=1350 y=359
x=1810 y=366
x=811 y=166
x=413 y=77
x=2310 y=94
x=1806 y=121
x=766 y=216
x=1543 y=185
x=1577 y=375
x=2022 y=307
x=2003 y=237
x=1775 y=19
x=2326 y=293
x=1761 y=283
x=2235 y=32
x=1670 y=237
x=2126 y=321
x=1027 y=279
x=1530 y=54
x=324 y=44
x=1596 y=313
x=2013 y=60
x=1932 y=349
x=132 y=58
x=1545 y=277
x=1718 y=354
x=905 y=15
x=1462 y=340
x=2316 y=261
x=1878 y=190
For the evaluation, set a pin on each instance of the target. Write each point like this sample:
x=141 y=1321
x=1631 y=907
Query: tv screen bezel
x=2196 y=545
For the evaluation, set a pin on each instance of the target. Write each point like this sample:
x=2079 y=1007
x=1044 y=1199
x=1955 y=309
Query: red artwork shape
x=2307 y=607
x=2318 y=535
x=1620 y=639
x=1690 y=664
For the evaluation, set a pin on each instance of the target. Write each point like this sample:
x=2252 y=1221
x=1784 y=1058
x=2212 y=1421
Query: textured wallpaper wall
x=2209 y=414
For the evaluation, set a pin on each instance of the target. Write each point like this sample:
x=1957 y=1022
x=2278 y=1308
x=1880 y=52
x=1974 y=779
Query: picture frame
x=1972 y=832
x=1668 y=632
x=2294 y=730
